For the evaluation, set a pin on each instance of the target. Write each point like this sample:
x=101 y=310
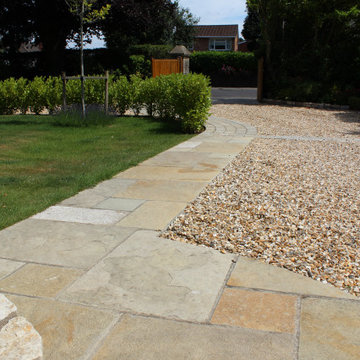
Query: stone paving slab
x=119 y=204
x=39 y=280
x=168 y=173
x=153 y=215
x=329 y=329
x=8 y=266
x=194 y=159
x=254 y=274
x=60 y=243
x=140 y=338
x=150 y=275
x=217 y=147
x=163 y=190
x=256 y=310
x=80 y=215
x=67 y=330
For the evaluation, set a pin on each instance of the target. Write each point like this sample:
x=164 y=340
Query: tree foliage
x=147 y=22
x=310 y=40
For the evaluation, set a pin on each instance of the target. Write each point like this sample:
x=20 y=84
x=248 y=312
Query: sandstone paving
x=329 y=329
x=256 y=310
x=7 y=310
x=168 y=173
x=39 y=280
x=221 y=148
x=250 y=273
x=141 y=338
x=119 y=204
x=153 y=215
x=150 y=275
x=163 y=190
x=8 y=266
x=60 y=243
x=67 y=330
x=196 y=160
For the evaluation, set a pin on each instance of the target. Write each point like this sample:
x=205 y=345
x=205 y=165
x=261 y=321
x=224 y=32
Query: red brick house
x=216 y=38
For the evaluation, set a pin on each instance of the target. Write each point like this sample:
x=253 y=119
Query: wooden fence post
x=260 y=84
x=63 y=76
x=107 y=92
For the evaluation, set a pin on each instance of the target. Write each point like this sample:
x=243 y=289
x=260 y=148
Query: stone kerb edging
x=18 y=338
x=306 y=104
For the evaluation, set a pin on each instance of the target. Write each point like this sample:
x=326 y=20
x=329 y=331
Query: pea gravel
x=291 y=203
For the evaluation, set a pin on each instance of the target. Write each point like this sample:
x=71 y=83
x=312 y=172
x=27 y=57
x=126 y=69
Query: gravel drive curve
x=288 y=201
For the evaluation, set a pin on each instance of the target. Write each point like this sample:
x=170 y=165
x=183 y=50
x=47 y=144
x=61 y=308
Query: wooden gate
x=166 y=66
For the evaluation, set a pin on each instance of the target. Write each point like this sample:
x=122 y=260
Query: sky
x=210 y=12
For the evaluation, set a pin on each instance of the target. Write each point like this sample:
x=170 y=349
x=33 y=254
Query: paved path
x=96 y=281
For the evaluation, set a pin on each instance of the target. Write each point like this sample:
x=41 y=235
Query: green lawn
x=42 y=164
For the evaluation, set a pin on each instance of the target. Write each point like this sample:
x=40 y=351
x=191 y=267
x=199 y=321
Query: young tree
x=88 y=13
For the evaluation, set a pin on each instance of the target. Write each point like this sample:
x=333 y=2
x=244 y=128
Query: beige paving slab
x=67 y=330
x=163 y=190
x=153 y=215
x=39 y=280
x=8 y=266
x=119 y=204
x=189 y=159
x=168 y=173
x=59 y=243
x=218 y=147
x=150 y=275
x=86 y=198
x=97 y=194
x=329 y=329
x=138 y=338
x=258 y=275
x=256 y=310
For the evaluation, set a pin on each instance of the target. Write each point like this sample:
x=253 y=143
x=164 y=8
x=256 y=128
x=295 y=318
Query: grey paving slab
x=80 y=215
x=86 y=198
x=187 y=145
x=60 y=243
x=138 y=338
x=8 y=266
x=67 y=330
x=163 y=190
x=154 y=215
x=126 y=204
x=255 y=274
x=216 y=147
x=329 y=329
x=168 y=173
x=150 y=275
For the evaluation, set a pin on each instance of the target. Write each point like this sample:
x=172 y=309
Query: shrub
x=8 y=96
x=119 y=96
x=53 y=93
x=354 y=103
x=37 y=95
x=149 y=51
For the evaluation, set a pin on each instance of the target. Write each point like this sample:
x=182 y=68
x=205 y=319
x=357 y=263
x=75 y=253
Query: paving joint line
x=297 y=328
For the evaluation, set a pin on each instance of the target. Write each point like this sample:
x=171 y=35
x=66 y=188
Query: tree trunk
x=82 y=77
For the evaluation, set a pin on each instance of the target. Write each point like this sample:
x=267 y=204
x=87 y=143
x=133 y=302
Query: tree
x=48 y=22
x=87 y=14
x=154 y=22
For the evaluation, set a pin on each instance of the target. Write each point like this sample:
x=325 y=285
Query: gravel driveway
x=292 y=199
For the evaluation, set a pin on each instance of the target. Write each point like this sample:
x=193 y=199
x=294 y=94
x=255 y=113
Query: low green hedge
x=175 y=97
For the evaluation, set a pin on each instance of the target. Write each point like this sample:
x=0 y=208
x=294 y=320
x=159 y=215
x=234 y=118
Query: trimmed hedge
x=207 y=62
x=175 y=97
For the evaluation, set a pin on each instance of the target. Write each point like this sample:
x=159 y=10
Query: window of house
x=220 y=44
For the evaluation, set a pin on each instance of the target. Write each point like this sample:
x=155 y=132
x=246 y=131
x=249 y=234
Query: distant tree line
x=311 y=48
x=51 y=23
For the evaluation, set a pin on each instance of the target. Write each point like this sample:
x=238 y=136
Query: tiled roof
x=216 y=30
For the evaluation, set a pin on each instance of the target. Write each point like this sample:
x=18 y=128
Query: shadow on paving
x=245 y=96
